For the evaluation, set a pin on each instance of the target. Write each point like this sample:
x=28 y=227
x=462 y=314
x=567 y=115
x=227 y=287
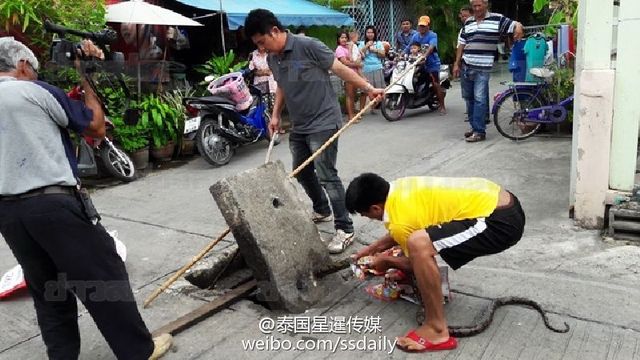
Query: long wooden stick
x=274 y=138
x=184 y=269
x=355 y=119
x=295 y=172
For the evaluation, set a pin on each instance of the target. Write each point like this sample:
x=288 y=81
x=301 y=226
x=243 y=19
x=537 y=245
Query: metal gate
x=385 y=15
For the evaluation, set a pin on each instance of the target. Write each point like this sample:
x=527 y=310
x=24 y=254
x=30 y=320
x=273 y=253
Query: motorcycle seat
x=210 y=100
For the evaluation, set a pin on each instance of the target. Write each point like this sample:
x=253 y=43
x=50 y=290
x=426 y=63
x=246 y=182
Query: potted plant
x=163 y=122
x=175 y=99
x=134 y=139
x=221 y=65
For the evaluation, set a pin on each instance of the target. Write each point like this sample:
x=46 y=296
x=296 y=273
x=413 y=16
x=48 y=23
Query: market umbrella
x=142 y=13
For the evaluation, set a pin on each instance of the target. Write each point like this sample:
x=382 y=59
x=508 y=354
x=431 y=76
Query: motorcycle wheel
x=394 y=106
x=215 y=149
x=117 y=163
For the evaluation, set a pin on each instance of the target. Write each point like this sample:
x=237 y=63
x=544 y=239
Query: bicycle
x=519 y=111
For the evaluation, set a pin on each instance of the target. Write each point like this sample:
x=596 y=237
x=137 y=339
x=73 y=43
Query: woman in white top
x=263 y=78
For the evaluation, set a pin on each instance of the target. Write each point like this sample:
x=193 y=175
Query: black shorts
x=459 y=242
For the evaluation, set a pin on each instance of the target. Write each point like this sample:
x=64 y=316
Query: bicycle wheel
x=511 y=113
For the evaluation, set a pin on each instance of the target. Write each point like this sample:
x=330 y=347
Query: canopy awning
x=289 y=12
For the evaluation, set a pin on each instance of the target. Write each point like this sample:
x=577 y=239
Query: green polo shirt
x=302 y=72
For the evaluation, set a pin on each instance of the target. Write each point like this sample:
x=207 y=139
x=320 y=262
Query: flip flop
x=449 y=344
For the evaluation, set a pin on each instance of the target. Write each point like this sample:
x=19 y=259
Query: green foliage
x=175 y=99
x=326 y=34
x=18 y=12
x=115 y=99
x=561 y=86
x=221 y=65
x=162 y=120
x=130 y=137
x=562 y=11
x=27 y=16
x=63 y=77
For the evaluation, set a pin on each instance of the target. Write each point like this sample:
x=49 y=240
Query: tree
x=25 y=18
x=562 y=11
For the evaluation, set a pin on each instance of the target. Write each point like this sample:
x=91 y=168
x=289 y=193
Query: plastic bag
x=12 y=282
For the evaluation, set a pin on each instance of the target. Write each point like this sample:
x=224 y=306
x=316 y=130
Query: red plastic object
x=449 y=344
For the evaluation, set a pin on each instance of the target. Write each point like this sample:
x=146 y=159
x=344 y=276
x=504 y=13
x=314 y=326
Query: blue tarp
x=289 y=12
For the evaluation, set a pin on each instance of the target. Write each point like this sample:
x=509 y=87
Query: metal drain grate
x=624 y=222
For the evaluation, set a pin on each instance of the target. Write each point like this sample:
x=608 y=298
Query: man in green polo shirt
x=301 y=67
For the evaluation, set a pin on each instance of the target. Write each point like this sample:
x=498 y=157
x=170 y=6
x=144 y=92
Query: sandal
x=449 y=344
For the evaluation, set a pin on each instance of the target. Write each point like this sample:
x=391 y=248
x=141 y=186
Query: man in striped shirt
x=477 y=45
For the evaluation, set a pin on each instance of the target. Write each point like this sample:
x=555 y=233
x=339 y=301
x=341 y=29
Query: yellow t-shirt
x=416 y=203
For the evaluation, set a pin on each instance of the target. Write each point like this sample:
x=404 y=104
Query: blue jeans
x=321 y=173
x=475 y=91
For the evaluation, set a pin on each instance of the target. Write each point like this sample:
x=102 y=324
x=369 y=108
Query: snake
x=489 y=311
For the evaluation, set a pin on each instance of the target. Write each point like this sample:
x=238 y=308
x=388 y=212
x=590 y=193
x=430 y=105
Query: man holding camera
x=63 y=250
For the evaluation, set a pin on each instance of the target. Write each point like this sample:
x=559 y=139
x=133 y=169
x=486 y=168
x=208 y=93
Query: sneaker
x=341 y=240
x=319 y=218
x=475 y=137
x=161 y=344
x=468 y=133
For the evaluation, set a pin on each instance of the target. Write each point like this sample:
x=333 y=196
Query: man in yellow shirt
x=458 y=218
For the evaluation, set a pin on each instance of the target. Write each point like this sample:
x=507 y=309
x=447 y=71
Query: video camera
x=98 y=73
x=64 y=52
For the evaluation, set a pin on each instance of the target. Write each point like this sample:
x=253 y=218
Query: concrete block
x=275 y=234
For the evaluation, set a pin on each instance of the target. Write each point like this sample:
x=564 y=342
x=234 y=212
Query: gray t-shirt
x=34 y=149
x=302 y=72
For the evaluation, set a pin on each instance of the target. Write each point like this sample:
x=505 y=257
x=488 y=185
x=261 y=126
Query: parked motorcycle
x=406 y=94
x=96 y=156
x=228 y=119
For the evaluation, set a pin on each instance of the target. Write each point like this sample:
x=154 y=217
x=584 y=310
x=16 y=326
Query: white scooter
x=406 y=94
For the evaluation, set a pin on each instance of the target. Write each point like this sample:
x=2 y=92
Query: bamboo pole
x=355 y=119
x=295 y=172
x=184 y=269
